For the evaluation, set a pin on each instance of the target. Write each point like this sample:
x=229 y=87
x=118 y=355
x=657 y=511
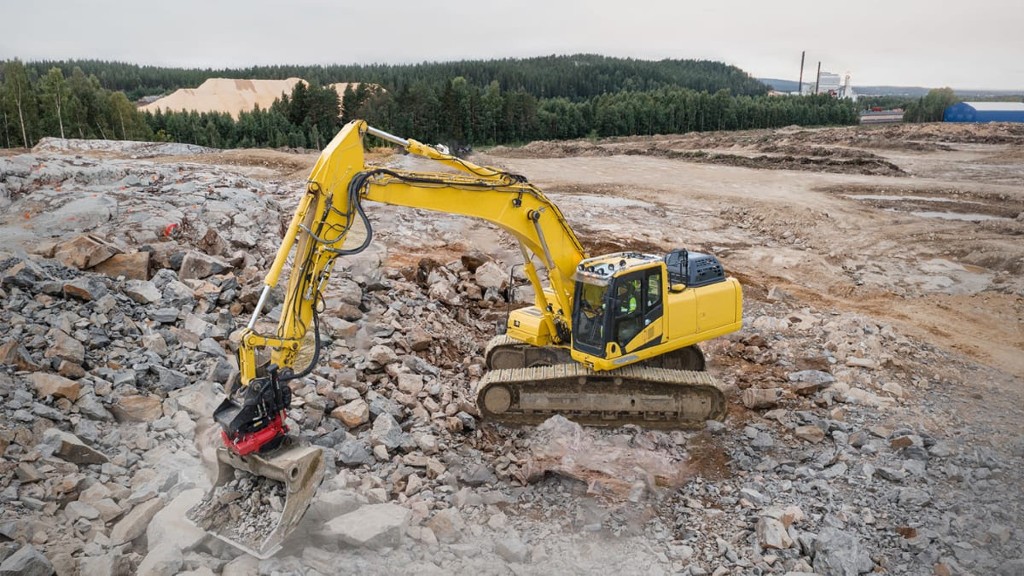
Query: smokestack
x=800 y=87
x=817 y=82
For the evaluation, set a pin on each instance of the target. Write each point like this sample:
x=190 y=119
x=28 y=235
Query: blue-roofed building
x=985 y=112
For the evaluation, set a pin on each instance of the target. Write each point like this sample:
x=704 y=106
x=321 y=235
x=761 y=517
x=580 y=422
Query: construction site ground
x=889 y=257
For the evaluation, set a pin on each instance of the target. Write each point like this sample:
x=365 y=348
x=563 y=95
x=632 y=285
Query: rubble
x=245 y=509
x=862 y=456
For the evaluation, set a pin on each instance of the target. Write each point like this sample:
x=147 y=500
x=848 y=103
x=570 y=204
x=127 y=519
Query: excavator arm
x=329 y=222
x=328 y=213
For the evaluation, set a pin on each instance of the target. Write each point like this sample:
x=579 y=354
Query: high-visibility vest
x=629 y=306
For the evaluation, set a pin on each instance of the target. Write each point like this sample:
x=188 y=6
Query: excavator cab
x=618 y=305
x=631 y=306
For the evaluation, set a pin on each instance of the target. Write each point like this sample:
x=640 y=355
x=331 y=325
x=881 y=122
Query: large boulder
x=490 y=275
x=372 y=526
x=169 y=526
x=133 y=266
x=134 y=524
x=54 y=385
x=196 y=266
x=27 y=561
x=68 y=447
x=84 y=252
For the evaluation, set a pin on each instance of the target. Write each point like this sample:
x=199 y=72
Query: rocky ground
x=876 y=402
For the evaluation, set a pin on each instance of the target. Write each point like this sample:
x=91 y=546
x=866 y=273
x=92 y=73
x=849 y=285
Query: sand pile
x=230 y=95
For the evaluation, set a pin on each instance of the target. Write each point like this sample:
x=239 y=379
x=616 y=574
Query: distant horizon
x=212 y=68
x=911 y=42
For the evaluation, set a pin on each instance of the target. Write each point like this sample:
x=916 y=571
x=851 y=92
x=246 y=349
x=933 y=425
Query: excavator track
x=647 y=395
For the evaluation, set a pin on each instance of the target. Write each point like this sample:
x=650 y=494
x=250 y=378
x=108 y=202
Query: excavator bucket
x=258 y=500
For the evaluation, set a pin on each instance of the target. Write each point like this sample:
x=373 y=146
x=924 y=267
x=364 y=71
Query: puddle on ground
x=967 y=217
x=946 y=276
x=900 y=198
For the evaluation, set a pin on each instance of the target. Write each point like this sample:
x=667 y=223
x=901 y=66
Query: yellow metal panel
x=527 y=325
x=716 y=305
x=681 y=314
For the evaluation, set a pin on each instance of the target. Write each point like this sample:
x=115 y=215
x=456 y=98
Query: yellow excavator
x=609 y=340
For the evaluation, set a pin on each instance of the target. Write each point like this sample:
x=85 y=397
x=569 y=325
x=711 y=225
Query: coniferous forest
x=466 y=103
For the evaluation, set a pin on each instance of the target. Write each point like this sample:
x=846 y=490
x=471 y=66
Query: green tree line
x=578 y=76
x=74 y=106
x=458 y=110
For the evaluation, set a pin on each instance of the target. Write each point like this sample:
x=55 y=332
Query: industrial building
x=985 y=112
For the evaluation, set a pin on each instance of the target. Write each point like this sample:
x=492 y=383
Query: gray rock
x=135 y=522
x=839 y=553
x=490 y=275
x=68 y=447
x=327 y=507
x=27 y=561
x=354 y=453
x=372 y=526
x=447 y=525
x=386 y=432
x=169 y=380
x=164 y=560
x=196 y=266
x=163 y=315
x=91 y=407
x=1012 y=567
x=112 y=564
x=169 y=526
x=244 y=565
x=196 y=325
x=478 y=475
x=772 y=534
x=349 y=291
x=467 y=420
x=212 y=347
x=762 y=441
x=382 y=355
x=142 y=291
x=178 y=296
x=754 y=496
x=76 y=510
x=913 y=497
x=64 y=347
x=512 y=549
x=812 y=376
x=85 y=288
x=715 y=427
x=891 y=474
x=25 y=274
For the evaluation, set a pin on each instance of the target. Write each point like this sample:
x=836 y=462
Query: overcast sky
x=977 y=44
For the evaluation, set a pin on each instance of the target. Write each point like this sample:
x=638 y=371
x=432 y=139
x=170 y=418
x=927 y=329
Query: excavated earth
x=876 y=388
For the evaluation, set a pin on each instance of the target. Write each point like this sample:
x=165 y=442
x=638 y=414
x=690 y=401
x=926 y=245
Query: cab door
x=638 y=310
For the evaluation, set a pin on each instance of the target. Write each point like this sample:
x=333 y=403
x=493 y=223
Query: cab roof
x=612 y=265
